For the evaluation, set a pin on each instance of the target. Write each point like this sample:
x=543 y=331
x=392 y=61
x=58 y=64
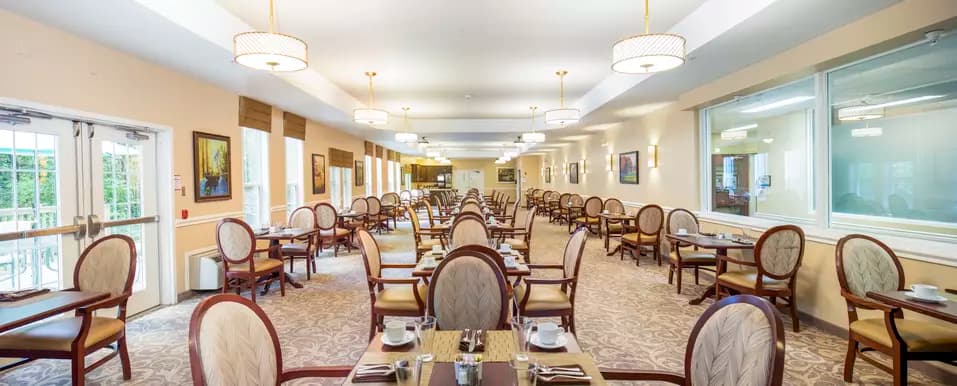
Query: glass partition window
x=760 y=150
x=894 y=140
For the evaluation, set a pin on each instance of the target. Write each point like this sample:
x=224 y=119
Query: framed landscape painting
x=318 y=174
x=211 y=174
x=505 y=175
x=548 y=174
x=360 y=172
x=628 y=167
x=573 y=172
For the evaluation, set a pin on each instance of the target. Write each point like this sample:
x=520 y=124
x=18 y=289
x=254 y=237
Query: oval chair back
x=614 y=205
x=371 y=256
x=360 y=205
x=302 y=218
x=468 y=230
x=649 y=219
x=680 y=218
x=235 y=241
x=592 y=207
x=471 y=207
x=469 y=290
x=866 y=264
x=405 y=196
x=107 y=265
x=326 y=216
x=779 y=251
x=576 y=200
x=375 y=206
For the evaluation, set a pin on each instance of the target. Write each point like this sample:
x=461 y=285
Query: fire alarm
x=184 y=214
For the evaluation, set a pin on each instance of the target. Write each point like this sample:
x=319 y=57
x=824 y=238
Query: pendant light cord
x=272 y=16
x=561 y=79
x=371 y=92
x=533 y=108
x=647 y=29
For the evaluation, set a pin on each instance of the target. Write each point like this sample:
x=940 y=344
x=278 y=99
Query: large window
x=761 y=151
x=340 y=183
x=367 y=181
x=255 y=177
x=392 y=180
x=378 y=176
x=894 y=140
x=294 y=175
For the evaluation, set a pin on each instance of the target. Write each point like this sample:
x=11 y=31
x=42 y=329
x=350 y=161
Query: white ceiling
x=431 y=53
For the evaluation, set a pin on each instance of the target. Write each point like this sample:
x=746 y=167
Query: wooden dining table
x=945 y=310
x=622 y=218
x=517 y=271
x=720 y=246
x=499 y=348
x=288 y=235
x=18 y=313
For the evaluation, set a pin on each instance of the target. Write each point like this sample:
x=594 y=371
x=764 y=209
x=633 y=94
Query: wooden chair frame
x=486 y=255
x=557 y=212
x=333 y=240
x=251 y=277
x=592 y=227
x=309 y=253
x=656 y=247
x=418 y=231
x=569 y=286
x=606 y=224
x=680 y=264
x=376 y=283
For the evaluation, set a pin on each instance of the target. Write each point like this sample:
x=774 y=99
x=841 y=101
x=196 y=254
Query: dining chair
x=327 y=220
x=648 y=233
x=233 y=342
x=521 y=239
x=614 y=227
x=540 y=297
x=472 y=207
x=469 y=290
x=108 y=265
x=864 y=264
x=529 y=198
x=682 y=256
x=557 y=211
x=777 y=257
x=405 y=198
x=403 y=296
x=416 y=194
x=589 y=216
x=375 y=218
x=395 y=209
x=301 y=218
x=241 y=260
x=737 y=341
x=573 y=208
x=468 y=230
x=360 y=206
x=422 y=244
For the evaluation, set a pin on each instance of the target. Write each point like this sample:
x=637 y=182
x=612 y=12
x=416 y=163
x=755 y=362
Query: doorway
x=466 y=179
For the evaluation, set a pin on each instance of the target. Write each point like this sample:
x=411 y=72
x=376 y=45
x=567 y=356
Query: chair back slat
x=326 y=216
x=469 y=290
x=107 y=265
x=779 y=251
x=866 y=264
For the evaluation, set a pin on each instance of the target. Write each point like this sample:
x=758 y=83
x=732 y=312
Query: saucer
x=560 y=342
x=408 y=338
x=938 y=299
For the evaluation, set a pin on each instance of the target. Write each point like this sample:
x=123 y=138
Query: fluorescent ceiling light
x=780 y=103
x=732 y=135
x=742 y=128
x=406 y=137
x=867 y=132
x=894 y=103
x=432 y=154
x=533 y=137
x=860 y=113
x=768 y=140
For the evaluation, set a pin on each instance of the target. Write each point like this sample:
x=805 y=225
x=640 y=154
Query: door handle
x=78 y=229
x=93 y=225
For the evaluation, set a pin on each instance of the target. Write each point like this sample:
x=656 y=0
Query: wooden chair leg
x=78 y=368
x=313 y=265
x=795 y=322
x=282 y=282
x=372 y=323
x=571 y=321
x=252 y=288
x=900 y=369
x=309 y=261
x=680 y=273
x=671 y=273
x=696 y=275
x=849 y=359
x=124 y=358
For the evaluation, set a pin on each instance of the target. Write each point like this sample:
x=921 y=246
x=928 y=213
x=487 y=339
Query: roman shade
x=390 y=155
x=293 y=126
x=370 y=149
x=378 y=151
x=340 y=158
x=255 y=114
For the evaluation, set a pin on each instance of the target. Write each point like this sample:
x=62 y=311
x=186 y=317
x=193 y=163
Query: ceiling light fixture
x=533 y=136
x=867 y=132
x=780 y=103
x=894 y=103
x=271 y=51
x=406 y=136
x=743 y=128
x=648 y=52
x=860 y=113
x=733 y=135
x=561 y=116
x=371 y=115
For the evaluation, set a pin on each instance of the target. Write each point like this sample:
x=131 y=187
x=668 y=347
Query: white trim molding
x=278 y=208
x=206 y=219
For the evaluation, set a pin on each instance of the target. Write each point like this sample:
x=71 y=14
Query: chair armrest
x=641 y=375
x=531 y=280
x=397 y=266
x=110 y=302
x=546 y=266
x=315 y=372
x=728 y=259
x=382 y=280
x=867 y=303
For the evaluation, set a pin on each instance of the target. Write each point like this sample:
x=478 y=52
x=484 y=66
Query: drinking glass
x=521 y=333
x=425 y=331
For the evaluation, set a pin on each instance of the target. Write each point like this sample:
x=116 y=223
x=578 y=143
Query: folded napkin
x=375 y=377
x=562 y=380
x=479 y=343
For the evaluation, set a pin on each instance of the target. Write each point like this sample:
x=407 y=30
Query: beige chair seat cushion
x=399 y=297
x=633 y=238
x=587 y=220
x=544 y=297
x=427 y=244
x=262 y=265
x=617 y=227
x=58 y=334
x=693 y=257
x=292 y=248
x=748 y=279
x=516 y=243
x=921 y=336
x=333 y=232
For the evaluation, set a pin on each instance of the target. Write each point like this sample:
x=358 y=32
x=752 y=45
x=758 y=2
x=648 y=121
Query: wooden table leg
x=712 y=290
x=289 y=279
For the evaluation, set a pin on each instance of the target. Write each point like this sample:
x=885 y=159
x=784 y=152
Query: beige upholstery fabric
x=261 y=265
x=572 y=250
x=920 y=335
x=469 y=231
x=633 y=238
x=467 y=294
x=390 y=199
x=576 y=200
x=360 y=205
x=375 y=206
x=400 y=298
x=235 y=347
x=692 y=257
x=427 y=244
x=371 y=253
x=593 y=207
x=334 y=232
x=650 y=219
x=405 y=195
x=749 y=279
x=516 y=243
x=235 y=241
x=106 y=267
x=868 y=267
x=733 y=348
x=614 y=206
x=472 y=207
x=302 y=218
x=682 y=220
x=781 y=251
x=58 y=334
x=326 y=216
x=544 y=297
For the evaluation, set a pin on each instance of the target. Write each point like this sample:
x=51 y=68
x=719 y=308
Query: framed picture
x=505 y=175
x=360 y=172
x=573 y=172
x=211 y=174
x=318 y=174
x=548 y=174
x=628 y=167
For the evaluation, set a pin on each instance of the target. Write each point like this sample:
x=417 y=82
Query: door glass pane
x=122 y=195
x=28 y=200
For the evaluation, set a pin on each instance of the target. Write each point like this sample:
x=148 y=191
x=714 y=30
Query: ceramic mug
x=548 y=333
x=394 y=331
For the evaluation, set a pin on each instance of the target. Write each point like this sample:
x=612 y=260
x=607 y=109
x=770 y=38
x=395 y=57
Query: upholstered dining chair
x=472 y=207
x=233 y=343
x=327 y=220
x=683 y=256
x=403 y=297
x=422 y=244
x=588 y=217
x=573 y=208
x=538 y=297
x=469 y=290
x=777 y=257
x=865 y=264
x=108 y=265
x=359 y=206
x=468 y=230
x=395 y=209
x=405 y=198
x=614 y=228
x=242 y=262
x=649 y=220
x=558 y=211
x=376 y=219
x=301 y=218
x=521 y=239
x=737 y=341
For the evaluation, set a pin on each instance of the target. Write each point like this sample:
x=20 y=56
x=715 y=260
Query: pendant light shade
x=533 y=136
x=370 y=115
x=405 y=136
x=271 y=51
x=648 y=52
x=562 y=116
x=860 y=113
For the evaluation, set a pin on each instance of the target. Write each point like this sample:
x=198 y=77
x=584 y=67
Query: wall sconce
x=653 y=156
x=611 y=162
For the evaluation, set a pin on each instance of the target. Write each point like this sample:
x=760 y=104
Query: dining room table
x=622 y=218
x=517 y=271
x=945 y=310
x=500 y=347
x=20 y=312
x=287 y=235
x=719 y=245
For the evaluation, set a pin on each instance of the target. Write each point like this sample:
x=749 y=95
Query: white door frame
x=164 y=184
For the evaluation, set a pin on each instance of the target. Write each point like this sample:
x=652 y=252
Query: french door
x=64 y=184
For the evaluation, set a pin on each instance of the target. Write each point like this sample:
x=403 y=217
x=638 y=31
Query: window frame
x=265 y=215
x=294 y=174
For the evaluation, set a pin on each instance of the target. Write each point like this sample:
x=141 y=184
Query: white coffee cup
x=549 y=332
x=394 y=331
x=682 y=231
x=925 y=291
x=428 y=261
x=437 y=249
x=273 y=229
x=505 y=247
x=509 y=261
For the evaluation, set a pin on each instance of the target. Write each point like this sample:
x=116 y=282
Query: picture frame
x=573 y=172
x=628 y=168
x=548 y=174
x=318 y=174
x=212 y=174
x=360 y=172
x=505 y=175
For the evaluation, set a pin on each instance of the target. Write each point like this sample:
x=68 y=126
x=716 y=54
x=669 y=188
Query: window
x=368 y=175
x=378 y=176
x=340 y=183
x=294 y=174
x=255 y=177
x=398 y=177
x=893 y=153
x=761 y=153
x=392 y=179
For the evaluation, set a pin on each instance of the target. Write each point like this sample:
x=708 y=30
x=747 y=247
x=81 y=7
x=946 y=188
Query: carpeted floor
x=627 y=317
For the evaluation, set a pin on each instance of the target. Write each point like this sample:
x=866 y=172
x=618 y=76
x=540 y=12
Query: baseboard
x=185 y=295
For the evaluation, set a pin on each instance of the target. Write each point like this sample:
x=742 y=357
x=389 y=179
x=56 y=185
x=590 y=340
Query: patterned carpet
x=628 y=317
